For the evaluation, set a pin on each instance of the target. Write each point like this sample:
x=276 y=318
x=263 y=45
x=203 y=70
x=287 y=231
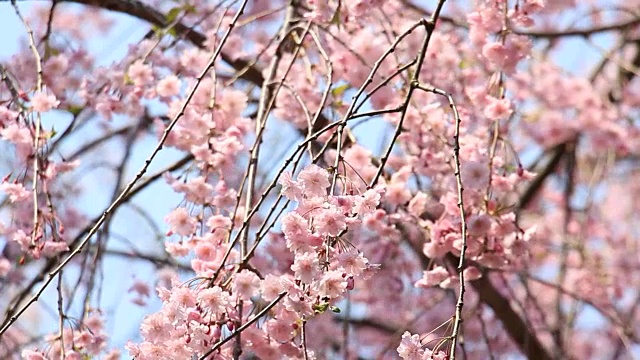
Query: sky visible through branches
x=145 y=236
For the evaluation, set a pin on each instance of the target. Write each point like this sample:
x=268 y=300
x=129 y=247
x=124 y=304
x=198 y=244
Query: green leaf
x=338 y=91
x=190 y=9
x=335 y=309
x=127 y=79
x=75 y=110
x=157 y=30
x=173 y=14
x=320 y=308
x=335 y=20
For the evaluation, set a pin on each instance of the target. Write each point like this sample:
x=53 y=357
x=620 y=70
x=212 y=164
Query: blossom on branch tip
x=42 y=102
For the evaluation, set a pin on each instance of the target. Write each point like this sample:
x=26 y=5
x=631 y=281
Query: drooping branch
x=624 y=25
x=521 y=334
x=246 y=69
x=50 y=266
x=536 y=185
x=516 y=327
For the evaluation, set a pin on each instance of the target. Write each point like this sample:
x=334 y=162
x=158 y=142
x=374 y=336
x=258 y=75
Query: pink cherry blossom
x=475 y=175
x=433 y=277
x=498 y=109
x=16 y=134
x=368 y=202
x=16 y=192
x=281 y=331
x=53 y=248
x=331 y=221
x=5 y=267
x=294 y=225
x=247 y=284
x=33 y=355
x=314 y=180
x=479 y=225
x=333 y=284
x=290 y=188
x=306 y=267
x=410 y=347
x=181 y=222
x=140 y=73
x=168 y=86
x=42 y=102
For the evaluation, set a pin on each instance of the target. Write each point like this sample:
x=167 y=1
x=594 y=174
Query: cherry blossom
x=337 y=179
x=42 y=102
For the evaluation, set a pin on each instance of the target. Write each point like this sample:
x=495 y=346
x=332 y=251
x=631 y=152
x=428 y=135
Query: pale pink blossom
x=472 y=273
x=197 y=190
x=495 y=52
x=306 y=266
x=7 y=115
x=73 y=355
x=299 y=304
x=32 y=355
x=368 y=202
x=353 y=262
x=506 y=56
x=53 y=248
x=479 y=225
x=42 y=102
x=290 y=188
x=168 y=86
x=184 y=296
x=140 y=73
x=16 y=191
x=475 y=175
x=272 y=286
x=497 y=109
x=315 y=180
x=206 y=251
x=397 y=194
x=330 y=222
x=246 y=284
x=531 y=6
x=294 y=225
x=433 y=277
x=56 y=168
x=280 y=330
x=56 y=65
x=23 y=239
x=5 y=267
x=233 y=103
x=112 y=355
x=181 y=222
x=215 y=299
x=410 y=347
x=176 y=249
x=141 y=288
x=155 y=327
x=17 y=134
x=333 y=284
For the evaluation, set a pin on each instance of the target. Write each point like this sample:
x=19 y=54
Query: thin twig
x=36 y=141
x=463 y=226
